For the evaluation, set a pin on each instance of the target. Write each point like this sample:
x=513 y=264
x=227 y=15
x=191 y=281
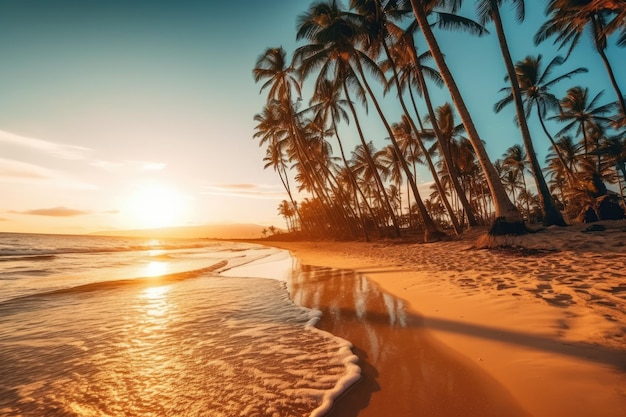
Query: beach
x=541 y=324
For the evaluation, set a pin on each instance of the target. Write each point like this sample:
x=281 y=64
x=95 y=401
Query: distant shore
x=545 y=317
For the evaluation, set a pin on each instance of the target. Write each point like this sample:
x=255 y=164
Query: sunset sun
x=157 y=205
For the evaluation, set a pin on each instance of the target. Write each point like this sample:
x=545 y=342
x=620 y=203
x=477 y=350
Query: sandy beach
x=540 y=326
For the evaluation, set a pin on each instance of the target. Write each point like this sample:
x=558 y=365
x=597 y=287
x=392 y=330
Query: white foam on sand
x=280 y=265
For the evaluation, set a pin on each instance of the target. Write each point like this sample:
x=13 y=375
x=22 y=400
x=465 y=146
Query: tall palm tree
x=534 y=85
x=583 y=113
x=270 y=131
x=403 y=129
x=373 y=32
x=405 y=51
x=281 y=80
x=509 y=218
x=328 y=106
x=333 y=51
x=569 y=19
x=489 y=10
x=515 y=159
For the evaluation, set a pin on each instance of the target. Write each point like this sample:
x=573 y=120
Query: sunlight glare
x=156 y=205
x=155 y=269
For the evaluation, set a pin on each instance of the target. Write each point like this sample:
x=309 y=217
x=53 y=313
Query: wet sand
x=539 y=331
x=405 y=371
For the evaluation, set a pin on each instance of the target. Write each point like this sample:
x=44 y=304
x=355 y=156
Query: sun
x=157 y=205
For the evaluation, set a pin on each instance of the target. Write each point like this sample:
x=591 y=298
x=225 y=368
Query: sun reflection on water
x=155 y=269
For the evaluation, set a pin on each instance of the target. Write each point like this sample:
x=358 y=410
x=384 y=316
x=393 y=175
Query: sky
x=126 y=114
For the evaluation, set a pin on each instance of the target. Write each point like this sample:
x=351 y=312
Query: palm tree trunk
x=552 y=215
x=352 y=179
x=609 y=69
x=285 y=182
x=568 y=170
x=444 y=199
x=432 y=230
x=445 y=149
x=379 y=182
x=509 y=219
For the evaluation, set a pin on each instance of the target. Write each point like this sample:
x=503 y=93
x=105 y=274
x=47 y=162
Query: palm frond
x=451 y=21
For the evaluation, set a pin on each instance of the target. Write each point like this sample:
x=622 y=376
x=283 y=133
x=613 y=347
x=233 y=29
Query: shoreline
x=548 y=324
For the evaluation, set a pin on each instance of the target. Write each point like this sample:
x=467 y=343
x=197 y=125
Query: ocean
x=109 y=326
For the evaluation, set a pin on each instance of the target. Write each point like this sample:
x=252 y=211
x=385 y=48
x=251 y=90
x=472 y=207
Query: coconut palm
x=405 y=51
x=509 y=217
x=489 y=10
x=569 y=19
x=404 y=130
x=333 y=51
x=373 y=31
x=583 y=113
x=286 y=210
x=534 y=86
x=515 y=160
x=327 y=106
x=280 y=79
x=271 y=132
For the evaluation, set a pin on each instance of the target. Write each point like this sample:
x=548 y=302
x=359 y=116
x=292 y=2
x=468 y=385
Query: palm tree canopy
x=272 y=66
x=534 y=84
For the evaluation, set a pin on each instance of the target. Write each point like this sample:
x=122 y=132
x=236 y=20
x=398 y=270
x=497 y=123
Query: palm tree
x=509 y=219
x=569 y=19
x=281 y=81
x=333 y=51
x=404 y=130
x=281 y=78
x=327 y=106
x=270 y=131
x=286 y=210
x=489 y=10
x=578 y=111
x=614 y=149
x=373 y=33
x=534 y=85
x=405 y=52
x=515 y=161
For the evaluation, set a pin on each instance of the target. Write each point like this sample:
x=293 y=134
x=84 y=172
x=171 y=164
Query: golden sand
x=545 y=324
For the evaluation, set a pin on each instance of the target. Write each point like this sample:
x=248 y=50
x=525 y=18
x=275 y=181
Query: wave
x=41 y=253
x=9 y=258
x=9 y=305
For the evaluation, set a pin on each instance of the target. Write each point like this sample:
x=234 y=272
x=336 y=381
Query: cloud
x=2 y=219
x=16 y=169
x=135 y=165
x=58 y=150
x=149 y=166
x=24 y=173
x=244 y=190
x=55 y=212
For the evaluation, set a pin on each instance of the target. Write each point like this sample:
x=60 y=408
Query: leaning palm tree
x=405 y=52
x=404 y=130
x=270 y=131
x=373 y=31
x=327 y=106
x=509 y=219
x=534 y=86
x=515 y=159
x=333 y=52
x=569 y=19
x=280 y=79
x=489 y=10
x=583 y=113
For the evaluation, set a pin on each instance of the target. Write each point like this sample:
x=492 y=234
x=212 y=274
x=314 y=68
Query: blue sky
x=114 y=114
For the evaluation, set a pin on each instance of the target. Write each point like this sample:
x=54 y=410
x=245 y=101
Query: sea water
x=107 y=326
